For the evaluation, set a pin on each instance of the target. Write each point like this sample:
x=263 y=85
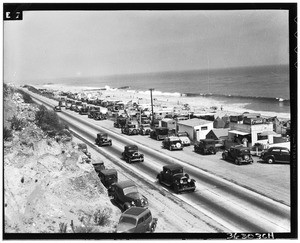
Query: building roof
x=220 y=132
x=194 y=122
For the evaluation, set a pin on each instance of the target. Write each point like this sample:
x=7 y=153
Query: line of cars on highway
x=170 y=140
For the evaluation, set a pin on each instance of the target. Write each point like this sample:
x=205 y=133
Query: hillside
x=47 y=186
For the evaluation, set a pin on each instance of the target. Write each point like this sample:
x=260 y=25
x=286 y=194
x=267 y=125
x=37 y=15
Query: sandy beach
x=199 y=105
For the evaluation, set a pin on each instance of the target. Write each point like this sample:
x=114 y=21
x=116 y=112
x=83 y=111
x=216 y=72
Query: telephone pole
x=152 y=118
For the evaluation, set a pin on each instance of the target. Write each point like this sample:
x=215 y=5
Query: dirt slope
x=46 y=184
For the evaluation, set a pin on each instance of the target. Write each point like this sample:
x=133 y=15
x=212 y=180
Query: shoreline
x=199 y=104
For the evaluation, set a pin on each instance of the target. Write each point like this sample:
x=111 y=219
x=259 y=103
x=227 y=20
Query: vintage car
x=98 y=166
x=120 y=122
x=238 y=154
x=145 y=129
x=205 y=146
x=172 y=143
x=98 y=115
x=184 y=137
x=78 y=106
x=126 y=195
x=57 y=108
x=68 y=105
x=131 y=128
x=131 y=154
x=73 y=107
x=173 y=177
x=83 y=147
x=108 y=177
x=84 y=110
x=137 y=220
x=102 y=139
x=276 y=154
x=159 y=133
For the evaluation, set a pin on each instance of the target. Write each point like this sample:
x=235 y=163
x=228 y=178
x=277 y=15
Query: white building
x=196 y=128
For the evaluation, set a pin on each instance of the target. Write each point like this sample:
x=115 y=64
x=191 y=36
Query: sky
x=64 y=44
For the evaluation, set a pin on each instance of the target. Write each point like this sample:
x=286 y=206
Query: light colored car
x=136 y=220
x=183 y=136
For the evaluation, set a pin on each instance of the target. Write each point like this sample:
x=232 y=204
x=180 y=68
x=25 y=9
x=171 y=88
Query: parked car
x=126 y=195
x=172 y=143
x=184 y=137
x=276 y=154
x=137 y=220
x=97 y=115
x=145 y=129
x=120 y=122
x=108 y=177
x=159 y=133
x=173 y=177
x=98 y=166
x=84 y=110
x=83 y=147
x=131 y=128
x=68 y=105
x=57 y=108
x=205 y=146
x=239 y=154
x=131 y=154
x=102 y=139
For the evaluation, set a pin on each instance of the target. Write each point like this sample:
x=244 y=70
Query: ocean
x=264 y=88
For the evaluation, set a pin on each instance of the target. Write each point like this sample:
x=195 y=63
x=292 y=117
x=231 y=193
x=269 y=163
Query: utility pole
x=152 y=118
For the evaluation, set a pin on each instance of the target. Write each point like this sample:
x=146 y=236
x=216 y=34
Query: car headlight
x=181 y=181
x=132 y=203
x=189 y=180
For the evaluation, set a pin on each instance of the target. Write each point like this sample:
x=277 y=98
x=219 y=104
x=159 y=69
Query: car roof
x=131 y=146
x=109 y=171
x=124 y=184
x=277 y=147
x=136 y=211
x=173 y=138
x=172 y=166
x=102 y=134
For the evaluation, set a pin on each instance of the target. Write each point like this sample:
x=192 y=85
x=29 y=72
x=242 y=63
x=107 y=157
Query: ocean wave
x=278 y=99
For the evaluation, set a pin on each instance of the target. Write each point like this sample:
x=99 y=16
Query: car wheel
x=159 y=178
x=270 y=160
x=170 y=148
x=134 y=132
x=224 y=156
x=157 y=138
x=110 y=143
x=129 y=160
x=176 y=188
x=211 y=150
x=237 y=162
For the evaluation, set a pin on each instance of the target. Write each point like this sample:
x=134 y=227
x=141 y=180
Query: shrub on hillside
x=48 y=120
x=6 y=90
x=17 y=123
x=7 y=133
x=26 y=97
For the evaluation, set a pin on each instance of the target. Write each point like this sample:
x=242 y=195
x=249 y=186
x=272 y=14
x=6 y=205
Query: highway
x=236 y=208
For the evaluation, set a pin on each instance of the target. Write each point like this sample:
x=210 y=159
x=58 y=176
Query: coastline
x=199 y=104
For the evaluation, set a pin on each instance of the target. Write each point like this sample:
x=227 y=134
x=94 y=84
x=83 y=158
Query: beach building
x=251 y=130
x=218 y=134
x=196 y=128
x=169 y=123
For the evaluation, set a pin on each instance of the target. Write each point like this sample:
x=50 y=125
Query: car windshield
x=131 y=126
x=162 y=132
x=177 y=171
x=181 y=134
x=146 y=126
x=128 y=220
x=131 y=189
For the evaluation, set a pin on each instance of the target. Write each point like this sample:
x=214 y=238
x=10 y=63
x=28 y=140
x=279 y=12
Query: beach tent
x=219 y=123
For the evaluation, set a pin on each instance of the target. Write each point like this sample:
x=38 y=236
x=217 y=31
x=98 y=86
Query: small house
x=196 y=128
x=218 y=134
